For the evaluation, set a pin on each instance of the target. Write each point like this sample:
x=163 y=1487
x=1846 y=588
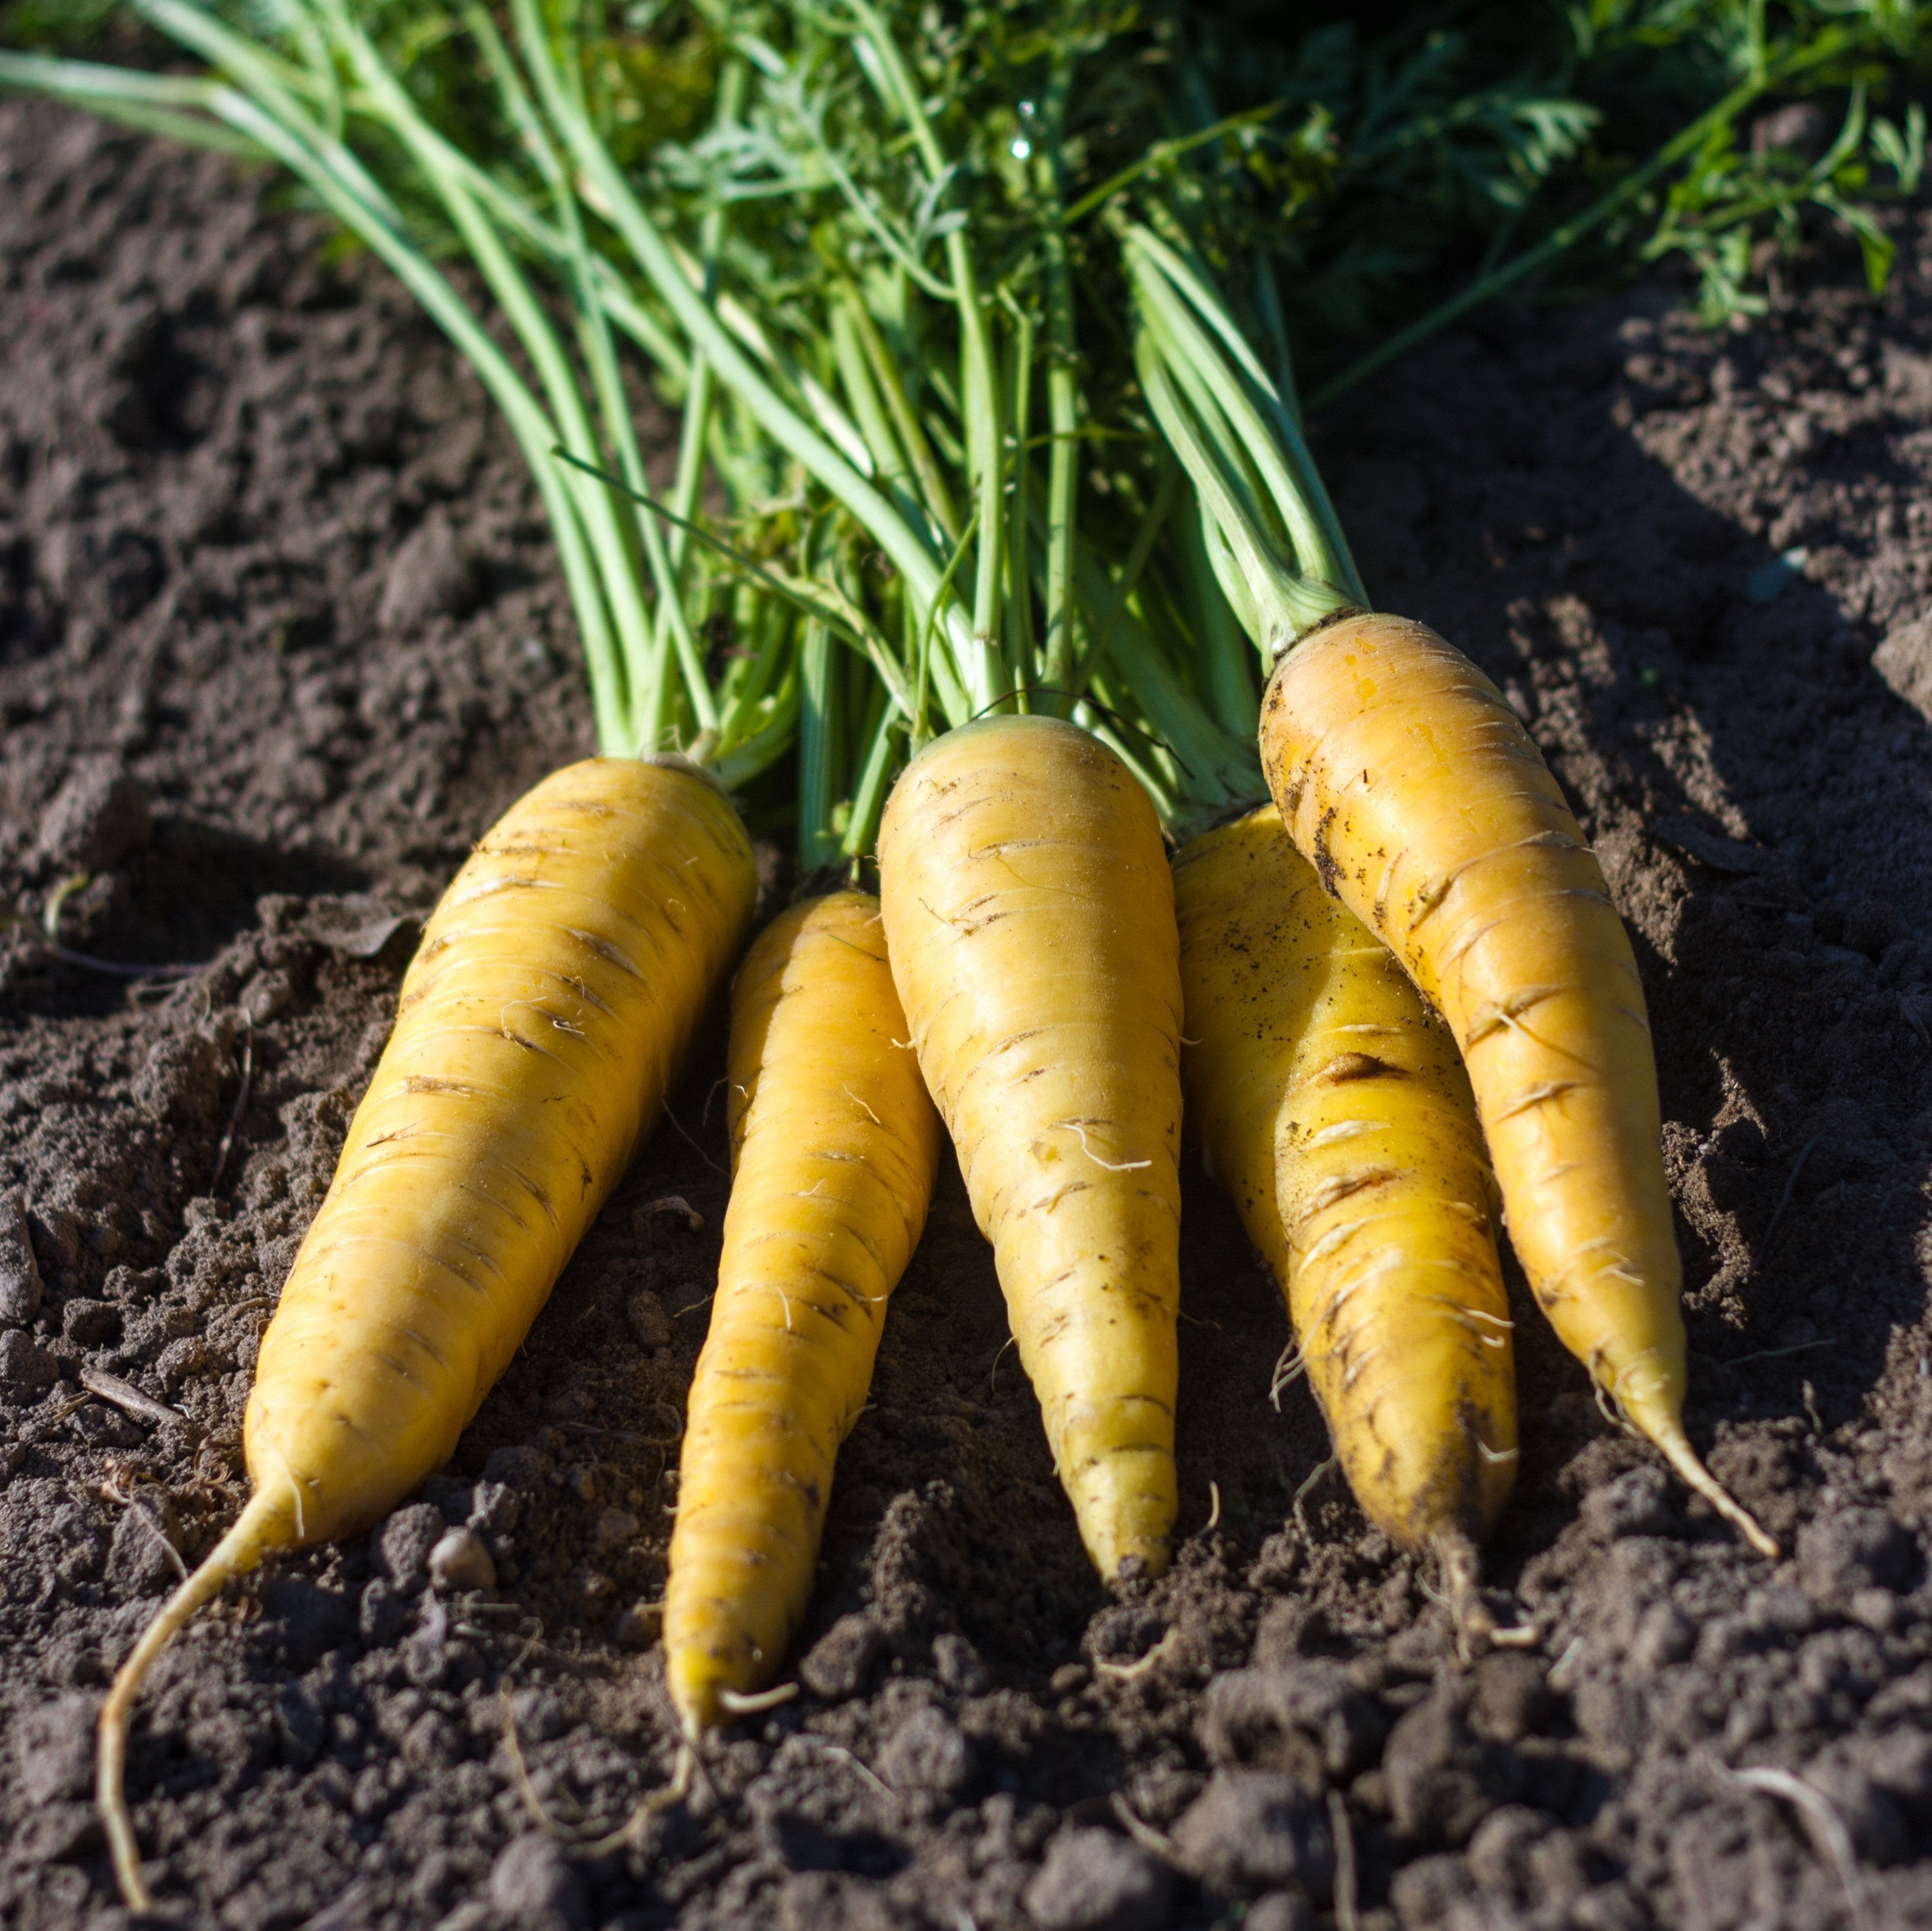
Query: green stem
x=532 y=326
x=986 y=674
x=905 y=548
x=818 y=750
x=1063 y=401
x=889 y=462
x=1274 y=602
x=937 y=499
x=695 y=425
x=151 y=103
x=1101 y=618
x=868 y=796
x=1019 y=640
x=1171 y=289
x=1230 y=688
x=651 y=693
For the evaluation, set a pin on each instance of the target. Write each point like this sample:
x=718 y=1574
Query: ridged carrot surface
x=835 y=1145
x=1336 y=1113
x=539 y=1029
x=1029 y=913
x=1405 y=777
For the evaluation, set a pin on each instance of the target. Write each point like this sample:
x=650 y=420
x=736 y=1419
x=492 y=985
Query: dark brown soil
x=279 y=636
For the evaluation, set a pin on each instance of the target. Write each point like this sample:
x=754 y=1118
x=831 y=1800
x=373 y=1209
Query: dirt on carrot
x=279 y=636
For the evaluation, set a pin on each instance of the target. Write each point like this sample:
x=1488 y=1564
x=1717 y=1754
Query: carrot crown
x=1272 y=535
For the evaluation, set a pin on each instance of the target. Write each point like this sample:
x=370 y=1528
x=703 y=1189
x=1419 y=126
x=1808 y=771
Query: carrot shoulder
x=1029 y=915
x=835 y=1145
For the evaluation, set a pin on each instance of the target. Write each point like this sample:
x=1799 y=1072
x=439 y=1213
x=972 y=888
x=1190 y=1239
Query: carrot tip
x=1682 y=1457
x=237 y=1552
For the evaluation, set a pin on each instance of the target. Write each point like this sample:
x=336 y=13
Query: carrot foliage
x=971 y=312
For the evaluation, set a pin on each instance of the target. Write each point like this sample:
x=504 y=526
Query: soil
x=280 y=634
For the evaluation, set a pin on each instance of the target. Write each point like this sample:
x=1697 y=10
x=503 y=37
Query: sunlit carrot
x=834 y=1148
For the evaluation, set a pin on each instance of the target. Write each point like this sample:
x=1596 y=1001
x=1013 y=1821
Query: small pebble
x=1280 y=1911
x=1254 y=1830
x=616 y=1530
x=927 y=1752
x=461 y=1561
x=959 y=1666
x=27 y=1370
x=648 y=1321
x=495 y=1506
x=20 y=1289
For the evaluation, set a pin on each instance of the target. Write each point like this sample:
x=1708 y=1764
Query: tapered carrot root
x=835 y=1145
x=1029 y=914
x=1405 y=777
x=540 y=1027
x=1337 y=1115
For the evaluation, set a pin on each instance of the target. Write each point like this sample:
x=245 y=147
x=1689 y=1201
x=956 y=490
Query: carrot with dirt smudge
x=1336 y=1114
x=1404 y=778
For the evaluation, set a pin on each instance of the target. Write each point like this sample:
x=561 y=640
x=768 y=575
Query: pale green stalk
x=152 y=103
x=1019 y=639
x=905 y=548
x=818 y=748
x=1063 y=403
x=868 y=795
x=1266 y=432
x=979 y=382
x=936 y=499
x=526 y=316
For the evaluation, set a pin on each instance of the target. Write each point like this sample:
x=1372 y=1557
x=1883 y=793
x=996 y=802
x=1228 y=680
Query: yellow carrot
x=1413 y=789
x=1029 y=915
x=834 y=1148
x=539 y=1029
x=1336 y=1113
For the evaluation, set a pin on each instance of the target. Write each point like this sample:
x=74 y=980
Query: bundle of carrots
x=1346 y=923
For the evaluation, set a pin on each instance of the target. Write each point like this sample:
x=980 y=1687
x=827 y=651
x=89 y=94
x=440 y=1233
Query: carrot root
x=835 y=1149
x=1336 y=1112
x=237 y=1552
x=1028 y=908
x=540 y=1025
x=1406 y=779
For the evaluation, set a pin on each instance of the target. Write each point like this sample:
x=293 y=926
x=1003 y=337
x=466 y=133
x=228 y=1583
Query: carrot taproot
x=1029 y=917
x=1335 y=1111
x=834 y=1146
x=1405 y=777
x=538 y=1030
